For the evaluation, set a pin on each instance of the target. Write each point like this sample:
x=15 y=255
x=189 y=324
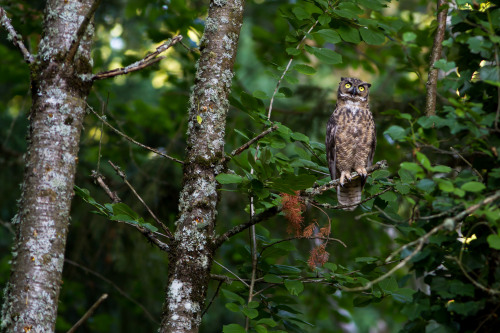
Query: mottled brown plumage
x=350 y=140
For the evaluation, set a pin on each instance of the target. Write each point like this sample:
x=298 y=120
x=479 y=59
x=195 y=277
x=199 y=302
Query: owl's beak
x=354 y=91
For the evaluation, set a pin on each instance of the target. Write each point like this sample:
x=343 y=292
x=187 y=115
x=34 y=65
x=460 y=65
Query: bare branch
x=88 y=313
x=126 y=137
x=437 y=47
x=253 y=140
x=236 y=276
x=120 y=291
x=147 y=61
x=81 y=31
x=14 y=37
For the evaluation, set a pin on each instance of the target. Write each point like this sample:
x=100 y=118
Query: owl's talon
x=362 y=172
x=343 y=176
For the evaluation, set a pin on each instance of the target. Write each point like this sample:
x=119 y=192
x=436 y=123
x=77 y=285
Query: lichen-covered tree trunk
x=193 y=248
x=60 y=86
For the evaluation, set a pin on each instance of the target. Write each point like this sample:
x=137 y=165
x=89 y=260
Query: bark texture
x=193 y=246
x=59 y=90
x=437 y=48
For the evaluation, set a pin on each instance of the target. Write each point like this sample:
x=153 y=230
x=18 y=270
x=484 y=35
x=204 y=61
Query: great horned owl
x=350 y=139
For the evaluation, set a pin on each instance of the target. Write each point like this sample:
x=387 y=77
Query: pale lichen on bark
x=191 y=257
x=56 y=116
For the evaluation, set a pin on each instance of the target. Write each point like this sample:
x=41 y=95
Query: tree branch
x=128 y=138
x=14 y=37
x=437 y=47
x=253 y=140
x=81 y=31
x=88 y=313
x=147 y=61
x=308 y=193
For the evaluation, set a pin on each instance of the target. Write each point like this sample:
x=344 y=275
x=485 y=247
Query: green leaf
x=361 y=301
x=300 y=137
x=293 y=51
x=271 y=278
x=233 y=328
x=494 y=241
x=403 y=295
x=372 y=37
x=267 y=321
x=389 y=285
x=409 y=36
x=300 y=13
x=441 y=168
x=327 y=56
x=403 y=188
x=329 y=35
x=260 y=329
x=290 y=183
x=445 y=185
x=445 y=65
x=426 y=185
x=389 y=196
x=232 y=296
x=397 y=133
x=229 y=178
x=378 y=174
x=422 y=159
x=473 y=187
x=349 y=34
x=260 y=94
x=123 y=209
x=324 y=19
x=233 y=307
x=250 y=313
x=294 y=287
x=304 y=69
x=253 y=305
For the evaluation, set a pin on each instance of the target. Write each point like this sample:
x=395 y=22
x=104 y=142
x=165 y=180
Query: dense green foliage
x=438 y=166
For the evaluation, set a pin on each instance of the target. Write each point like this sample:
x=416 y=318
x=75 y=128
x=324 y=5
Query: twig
x=213 y=298
x=437 y=47
x=151 y=236
x=148 y=60
x=236 y=276
x=120 y=291
x=88 y=313
x=120 y=173
x=126 y=137
x=81 y=31
x=287 y=68
x=300 y=237
x=14 y=37
x=253 y=140
x=328 y=206
x=468 y=163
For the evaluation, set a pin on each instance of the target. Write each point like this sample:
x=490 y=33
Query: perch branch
x=14 y=37
x=81 y=31
x=120 y=173
x=147 y=61
x=88 y=313
x=275 y=210
x=437 y=47
x=126 y=137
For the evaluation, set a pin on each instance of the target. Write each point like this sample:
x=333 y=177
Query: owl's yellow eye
x=361 y=88
x=348 y=85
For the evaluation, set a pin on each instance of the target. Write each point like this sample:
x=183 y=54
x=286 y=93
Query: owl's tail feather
x=350 y=194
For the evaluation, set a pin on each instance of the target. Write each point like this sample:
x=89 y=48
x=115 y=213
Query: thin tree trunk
x=60 y=85
x=193 y=247
x=437 y=47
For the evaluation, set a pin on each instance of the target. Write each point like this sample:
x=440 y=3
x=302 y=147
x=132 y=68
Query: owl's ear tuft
x=342 y=78
x=369 y=85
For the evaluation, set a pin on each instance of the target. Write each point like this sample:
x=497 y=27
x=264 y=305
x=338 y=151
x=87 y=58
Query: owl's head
x=354 y=90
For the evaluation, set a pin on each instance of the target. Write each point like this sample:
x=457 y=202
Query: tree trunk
x=193 y=248
x=60 y=85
